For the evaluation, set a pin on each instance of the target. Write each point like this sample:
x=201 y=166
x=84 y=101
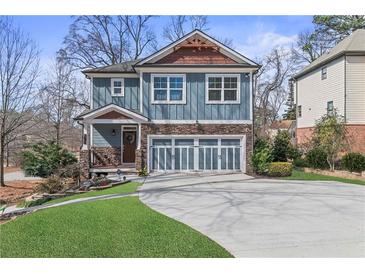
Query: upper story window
x=117 y=87
x=168 y=89
x=299 y=111
x=324 y=73
x=222 y=89
x=330 y=108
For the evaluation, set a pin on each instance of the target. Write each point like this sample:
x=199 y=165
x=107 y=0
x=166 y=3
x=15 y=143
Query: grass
x=125 y=188
x=301 y=175
x=121 y=227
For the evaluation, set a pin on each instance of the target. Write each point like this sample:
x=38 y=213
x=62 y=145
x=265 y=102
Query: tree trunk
x=2 y=149
x=7 y=155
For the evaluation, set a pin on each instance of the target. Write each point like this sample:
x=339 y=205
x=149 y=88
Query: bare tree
x=180 y=25
x=95 y=41
x=271 y=86
x=19 y=62
x=58 y=104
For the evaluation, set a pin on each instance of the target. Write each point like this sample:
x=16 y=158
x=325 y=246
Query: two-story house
x=187 y=107
x=335 y=80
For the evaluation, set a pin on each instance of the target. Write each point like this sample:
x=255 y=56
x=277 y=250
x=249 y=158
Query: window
x=168 y=89
x=324 y=73
x=222 y=89
x=299 y=111
x=117 y=87
x=330 y=108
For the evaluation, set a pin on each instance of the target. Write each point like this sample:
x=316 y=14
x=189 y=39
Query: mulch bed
x=15 y=191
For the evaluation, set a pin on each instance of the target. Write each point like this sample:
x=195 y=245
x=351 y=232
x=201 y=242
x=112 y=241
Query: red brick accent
x=196 y=56
x=193 y=129
x=112 y=115
x=355 y=137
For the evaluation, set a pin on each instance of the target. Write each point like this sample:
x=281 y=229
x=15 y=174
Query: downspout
x=345 y=87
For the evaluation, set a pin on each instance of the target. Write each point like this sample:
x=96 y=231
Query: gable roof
x=355 y=43
x=92 y=113
x=239 y=58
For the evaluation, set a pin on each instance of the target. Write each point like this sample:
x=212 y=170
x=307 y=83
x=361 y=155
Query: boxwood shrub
x=280 y=169
x=353 y=162
x=317 y=158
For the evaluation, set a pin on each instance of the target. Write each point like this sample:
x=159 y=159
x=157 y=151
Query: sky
x=252 y=36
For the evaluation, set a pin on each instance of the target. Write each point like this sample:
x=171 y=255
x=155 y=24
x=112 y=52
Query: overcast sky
x=252 y=36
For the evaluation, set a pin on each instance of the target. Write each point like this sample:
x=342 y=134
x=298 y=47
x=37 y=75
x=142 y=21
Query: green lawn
x=301 y=175
x=121 y=227
x=126 y=188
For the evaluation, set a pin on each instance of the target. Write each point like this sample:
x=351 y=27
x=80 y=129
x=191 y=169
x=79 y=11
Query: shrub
x=281 y=148
x=294 y=153
x=260 y=160
x=69 y=171
x=317 y=158
x=143 y=172
x=280 y=169
x=300 y=162
x=52 y=185
x=353 y=162
x=43 y=159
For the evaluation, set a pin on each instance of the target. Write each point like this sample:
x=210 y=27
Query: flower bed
x=338 y=173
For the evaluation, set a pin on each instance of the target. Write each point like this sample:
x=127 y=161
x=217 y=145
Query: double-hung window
x=330 y=108
x=168 y=89
x=324 y=73
x=117 y=87
x=223 y=89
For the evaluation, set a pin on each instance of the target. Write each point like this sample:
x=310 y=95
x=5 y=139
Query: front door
x=129 y=146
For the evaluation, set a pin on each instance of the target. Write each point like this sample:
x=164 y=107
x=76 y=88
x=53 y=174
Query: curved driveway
x=265 y=218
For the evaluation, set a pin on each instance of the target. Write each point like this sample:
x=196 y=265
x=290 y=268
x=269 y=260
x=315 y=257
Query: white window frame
x=168 y=101
x=222 y=101
x=121 y=94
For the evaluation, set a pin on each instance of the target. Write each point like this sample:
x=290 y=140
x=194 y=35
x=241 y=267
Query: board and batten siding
x=102 y=93
x=314 y=93
x=355 y=89
x=103 y=137
x=196 y=107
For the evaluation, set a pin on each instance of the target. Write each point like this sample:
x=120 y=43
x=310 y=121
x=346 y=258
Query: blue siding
x=102 y=135
x=195 y=107
x=102 y=93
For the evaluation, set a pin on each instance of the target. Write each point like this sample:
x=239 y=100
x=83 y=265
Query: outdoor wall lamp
x=113 y=132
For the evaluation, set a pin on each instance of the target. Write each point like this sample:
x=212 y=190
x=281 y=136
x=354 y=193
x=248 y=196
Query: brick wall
x=355 y=137
x=193 y=129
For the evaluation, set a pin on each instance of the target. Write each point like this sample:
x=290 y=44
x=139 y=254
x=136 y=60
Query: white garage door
x=196 y=153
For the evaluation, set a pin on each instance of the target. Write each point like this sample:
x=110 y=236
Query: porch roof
x=94 y=113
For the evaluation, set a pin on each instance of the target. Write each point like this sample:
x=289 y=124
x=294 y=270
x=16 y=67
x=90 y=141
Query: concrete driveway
x=265 y=218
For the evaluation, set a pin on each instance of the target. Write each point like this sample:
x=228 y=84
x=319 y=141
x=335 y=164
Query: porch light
x=113 y=132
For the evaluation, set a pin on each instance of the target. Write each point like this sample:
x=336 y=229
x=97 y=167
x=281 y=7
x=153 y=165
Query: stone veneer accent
x=355 y=137
x=193 y=129
x=85 y=163
x=106 y=156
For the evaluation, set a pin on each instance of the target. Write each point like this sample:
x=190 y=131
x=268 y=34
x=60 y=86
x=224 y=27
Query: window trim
x=222 y=101
x=168 y=101
x=324 y=75
x=121 y=94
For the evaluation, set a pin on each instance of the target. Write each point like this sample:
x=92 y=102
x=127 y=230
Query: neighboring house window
x=168 y=89
x=222 y=89
x=324 y=73
x=330 y=108
x=299 y=111
x=117 y=87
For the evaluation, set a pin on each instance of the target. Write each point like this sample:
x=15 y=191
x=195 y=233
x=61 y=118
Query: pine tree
x=290 y=111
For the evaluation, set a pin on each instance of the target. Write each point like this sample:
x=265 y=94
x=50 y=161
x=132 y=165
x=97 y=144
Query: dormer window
x=222 y=89
x=324 y=73
x=117 y=87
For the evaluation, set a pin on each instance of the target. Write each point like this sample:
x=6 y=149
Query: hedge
x=280 y=169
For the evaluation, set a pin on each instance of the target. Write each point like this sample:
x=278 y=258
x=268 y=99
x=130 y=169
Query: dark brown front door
x=129 y=146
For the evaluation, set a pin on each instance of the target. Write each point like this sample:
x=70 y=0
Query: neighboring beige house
x=287 y=125
x=335 y=80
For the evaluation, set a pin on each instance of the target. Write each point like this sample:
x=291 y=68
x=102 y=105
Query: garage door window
x=184 y=154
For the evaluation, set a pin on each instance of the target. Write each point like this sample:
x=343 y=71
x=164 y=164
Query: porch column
x=139 y=136
x=85 y=138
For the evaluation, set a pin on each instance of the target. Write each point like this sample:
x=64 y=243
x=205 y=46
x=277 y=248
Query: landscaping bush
x=52 y=185
x=282 y=147
x=43 y=159
x=261 y=160
x=300 y=162
x=317 y=158
x=69 y=171
x=354 y=162
x=143 y=172
x=280 y=169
